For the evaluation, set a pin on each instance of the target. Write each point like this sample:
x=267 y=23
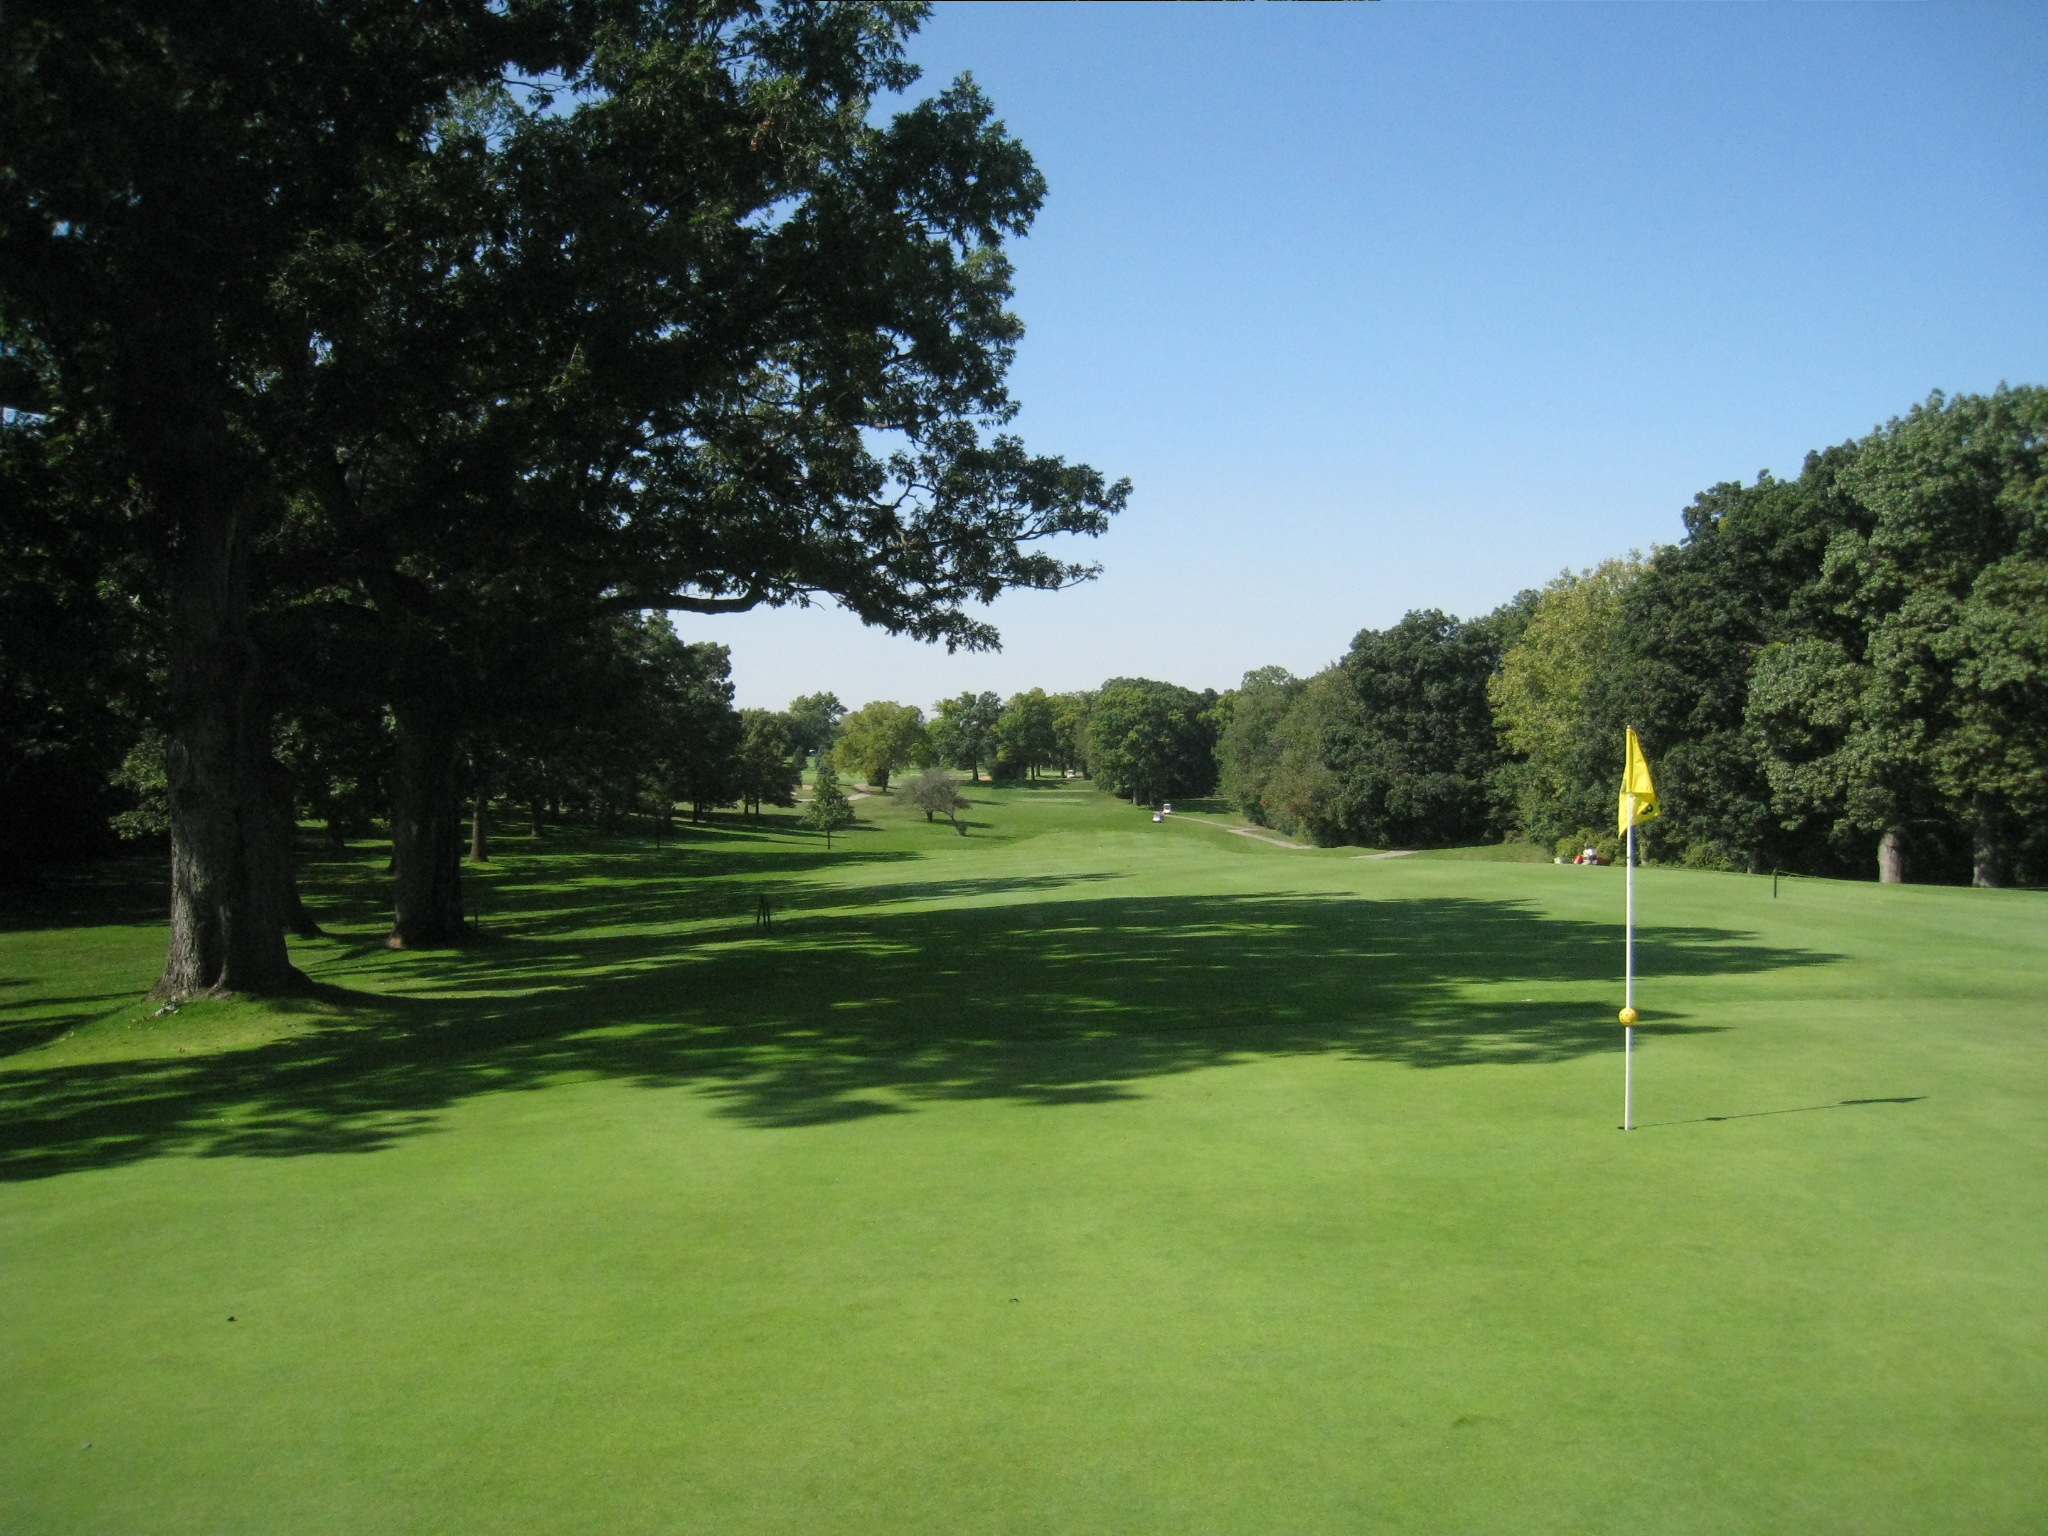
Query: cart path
x=1256 y=834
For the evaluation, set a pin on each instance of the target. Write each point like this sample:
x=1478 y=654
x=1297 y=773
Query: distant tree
x=828 y=810
x=1152 y=740
x=1416 y=759
x=1691 y=626
x=1249 y=748
x=1933 y=707
x=878 y=738
x=1540 y=700
x=1027 y=731
x=698 y=734
x=1952 y=584
x=1070 y=712
x=1834 y=753
x=934 y=792
x=963 y=732
x=767 y=768
x=814 y=722
x=1300 y=795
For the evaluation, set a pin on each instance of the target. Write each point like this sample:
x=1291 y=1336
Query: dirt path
x=1256 y=834
x=1259 y=835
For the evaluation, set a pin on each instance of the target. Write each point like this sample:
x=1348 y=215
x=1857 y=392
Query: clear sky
x=1400 y=306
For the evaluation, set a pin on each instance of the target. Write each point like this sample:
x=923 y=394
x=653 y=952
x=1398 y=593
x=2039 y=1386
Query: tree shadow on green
x=843 y=1014
x=128 y=888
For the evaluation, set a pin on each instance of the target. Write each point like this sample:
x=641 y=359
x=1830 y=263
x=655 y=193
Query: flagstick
x=1628 y=1001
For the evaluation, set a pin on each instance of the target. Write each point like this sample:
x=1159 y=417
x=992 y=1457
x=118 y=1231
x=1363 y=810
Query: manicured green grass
x=1084 y=1174
x=1492 y=853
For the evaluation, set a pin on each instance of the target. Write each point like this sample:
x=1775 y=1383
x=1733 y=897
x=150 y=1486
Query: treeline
x=1133 y=736
x=1844 y=674
x=370 y=372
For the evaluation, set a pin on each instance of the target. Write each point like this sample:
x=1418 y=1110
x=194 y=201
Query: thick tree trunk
x=1987 y=863
x=297 y=919
x=426 y=827
x=1891 y=857
x=229 y=862
x=540 y=826
x=479 y=836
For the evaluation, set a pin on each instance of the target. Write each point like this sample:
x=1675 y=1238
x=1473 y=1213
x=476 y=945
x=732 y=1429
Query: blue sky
x=1399 y=306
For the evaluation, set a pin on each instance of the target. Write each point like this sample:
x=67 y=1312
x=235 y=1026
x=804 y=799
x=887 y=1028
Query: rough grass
x=1080 y=1175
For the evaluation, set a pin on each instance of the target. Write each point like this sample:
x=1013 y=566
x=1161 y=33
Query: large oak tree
x=449 y=312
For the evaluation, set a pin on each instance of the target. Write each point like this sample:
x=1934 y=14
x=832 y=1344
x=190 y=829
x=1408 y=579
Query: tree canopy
x=1151 y=740
x=322 y=329
x=878 y=738
x=963 y=731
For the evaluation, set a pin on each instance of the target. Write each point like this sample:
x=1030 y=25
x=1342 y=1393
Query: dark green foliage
x=814 y=722
x=1027 y=734
x=1951 y=585
x=695 y=734
x=828 y=810
x=767 y=768
x=79 y=676
x=1070 y=712
x=1687 y=638
x=358 y=325
x=963 y=731
x=1151 y=740
x=1845 y=673
x=1415 y=756
x=1254 y=739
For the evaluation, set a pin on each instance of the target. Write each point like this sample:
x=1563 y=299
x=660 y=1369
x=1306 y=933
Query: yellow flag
x=1638 y=794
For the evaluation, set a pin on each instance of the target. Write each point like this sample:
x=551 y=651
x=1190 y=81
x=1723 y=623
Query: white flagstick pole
x=1628 y=985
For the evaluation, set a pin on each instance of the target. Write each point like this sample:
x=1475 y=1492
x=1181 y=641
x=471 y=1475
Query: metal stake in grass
x=1638 y=803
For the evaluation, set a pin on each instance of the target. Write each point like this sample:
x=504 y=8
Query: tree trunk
x=1891 y=857
x=540 y=828
x=297 y=919
x=1987 y=864
x=229 y=865
x=426 y=827
x=479 y=833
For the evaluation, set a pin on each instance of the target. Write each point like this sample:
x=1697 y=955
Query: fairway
x=1083 y=1174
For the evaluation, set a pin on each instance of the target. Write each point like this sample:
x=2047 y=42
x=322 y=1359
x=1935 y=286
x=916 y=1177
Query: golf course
x=1081 y=1174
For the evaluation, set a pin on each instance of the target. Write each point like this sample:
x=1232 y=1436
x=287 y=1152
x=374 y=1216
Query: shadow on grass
x=129 y=888
x=837 y=1014
x=1797 y=1109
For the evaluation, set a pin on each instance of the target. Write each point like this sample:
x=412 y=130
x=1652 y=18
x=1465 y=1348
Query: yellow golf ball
x=1628 y=1015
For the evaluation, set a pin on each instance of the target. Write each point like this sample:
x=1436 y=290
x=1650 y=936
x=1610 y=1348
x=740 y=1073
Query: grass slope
x=1081 y=1175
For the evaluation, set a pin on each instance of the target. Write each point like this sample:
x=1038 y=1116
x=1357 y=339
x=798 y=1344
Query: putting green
x=1084 y=1174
